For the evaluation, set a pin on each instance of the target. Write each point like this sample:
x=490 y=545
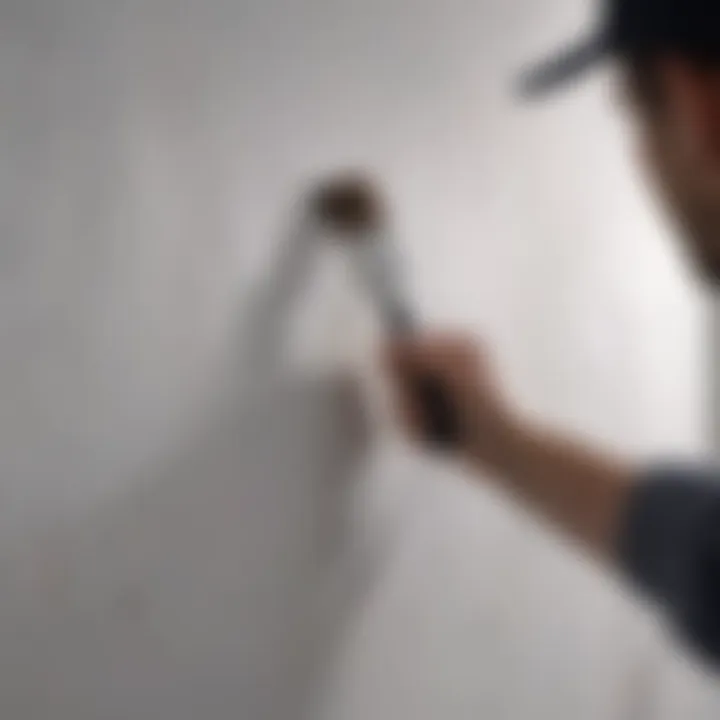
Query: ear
x=693 y=105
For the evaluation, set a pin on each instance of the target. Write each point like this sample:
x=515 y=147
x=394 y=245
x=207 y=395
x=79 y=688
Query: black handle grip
x=442 y=420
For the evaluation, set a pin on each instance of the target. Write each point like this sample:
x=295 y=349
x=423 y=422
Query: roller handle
x=354 y=208
x=441 y=421
x=442 y=425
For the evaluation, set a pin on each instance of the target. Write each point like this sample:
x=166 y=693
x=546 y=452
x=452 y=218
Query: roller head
x=350 y=205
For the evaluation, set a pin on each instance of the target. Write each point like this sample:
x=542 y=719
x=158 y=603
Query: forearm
x=582 y=490
x=659 y=526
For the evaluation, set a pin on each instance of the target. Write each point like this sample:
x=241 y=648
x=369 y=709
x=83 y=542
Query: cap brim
x=564 y=68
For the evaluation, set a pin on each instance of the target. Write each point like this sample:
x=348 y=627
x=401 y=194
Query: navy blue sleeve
x=670 y=547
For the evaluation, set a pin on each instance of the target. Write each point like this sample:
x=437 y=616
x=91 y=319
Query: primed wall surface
x=147 y=148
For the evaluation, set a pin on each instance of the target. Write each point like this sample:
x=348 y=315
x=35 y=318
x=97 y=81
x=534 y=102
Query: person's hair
x=645 y=78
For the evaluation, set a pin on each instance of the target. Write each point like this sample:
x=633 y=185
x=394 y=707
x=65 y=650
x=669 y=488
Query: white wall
x=148 y=147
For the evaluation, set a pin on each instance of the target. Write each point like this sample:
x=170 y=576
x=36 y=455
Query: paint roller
x=353 y=210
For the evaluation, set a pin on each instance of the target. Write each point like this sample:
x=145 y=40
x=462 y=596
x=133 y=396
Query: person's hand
x=583 y=490
x=462 y=366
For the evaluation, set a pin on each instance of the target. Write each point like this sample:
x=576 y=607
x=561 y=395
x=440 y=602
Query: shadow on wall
x=215 y=586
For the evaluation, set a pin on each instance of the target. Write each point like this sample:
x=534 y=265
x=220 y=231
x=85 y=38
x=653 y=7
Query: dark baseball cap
x=631 y=28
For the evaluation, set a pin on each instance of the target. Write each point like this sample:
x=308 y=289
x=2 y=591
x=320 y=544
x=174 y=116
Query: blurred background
x=150 y=151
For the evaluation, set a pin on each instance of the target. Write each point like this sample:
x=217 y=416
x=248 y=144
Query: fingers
x=453 y=356
x=452 y=360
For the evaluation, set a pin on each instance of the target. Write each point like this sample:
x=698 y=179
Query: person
x=660 y=526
